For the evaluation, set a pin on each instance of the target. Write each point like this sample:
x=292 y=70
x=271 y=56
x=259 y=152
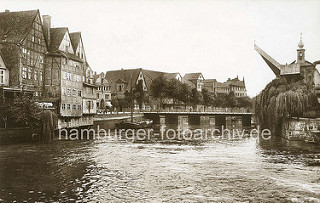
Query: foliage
x=280 y=100
x=138 y=94
x=184 y=94
x=207 y=100
x=21 y=112
x=195 y=97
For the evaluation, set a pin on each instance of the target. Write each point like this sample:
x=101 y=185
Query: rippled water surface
x=216 y=171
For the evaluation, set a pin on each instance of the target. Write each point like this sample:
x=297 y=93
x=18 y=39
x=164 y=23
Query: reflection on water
x=99 y=170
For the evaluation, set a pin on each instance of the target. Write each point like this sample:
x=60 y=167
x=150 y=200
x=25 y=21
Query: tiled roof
x=210 y=80
x=150 y=75
x=170 y=76
x=125 y=76
x=56 y=35
x=75 y=39
x=191 y=76
x=15 y=26
x=190 y=84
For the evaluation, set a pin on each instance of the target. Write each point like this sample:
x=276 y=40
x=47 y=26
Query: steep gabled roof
x=123 y=74
x=150 y=75
x=15 y=26
x=190 y=84
x=75 y=38
x=56 y=35
x=192 y=76
x=170 y=76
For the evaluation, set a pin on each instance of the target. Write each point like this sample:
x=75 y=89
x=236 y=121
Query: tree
x=138 y=94
x=23 y=111
x=219 y=100
x=195 y=97
x=244 y=102
x=184 y=94
x=158 y=89
x=281 y=99
x=172 y=90
x=206 y=97
x=230 y=100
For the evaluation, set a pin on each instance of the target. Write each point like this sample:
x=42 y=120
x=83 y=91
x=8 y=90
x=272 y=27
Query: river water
x=242 y=170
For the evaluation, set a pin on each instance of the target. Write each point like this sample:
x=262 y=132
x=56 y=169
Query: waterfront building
x=64 y=75
x=23 y=48
x=89 y=92
x=103 y=99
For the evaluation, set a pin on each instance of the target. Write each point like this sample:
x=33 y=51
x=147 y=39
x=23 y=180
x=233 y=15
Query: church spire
x=301 y=45
x=300 y=51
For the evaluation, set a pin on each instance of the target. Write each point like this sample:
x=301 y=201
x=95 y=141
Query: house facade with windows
x=64 y=76
x=223 y=88
x=103 y=100
x=89 y=93
x=196 y=78
x=23 y=47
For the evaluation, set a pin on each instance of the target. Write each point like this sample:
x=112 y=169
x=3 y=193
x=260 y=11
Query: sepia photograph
x=160 y=101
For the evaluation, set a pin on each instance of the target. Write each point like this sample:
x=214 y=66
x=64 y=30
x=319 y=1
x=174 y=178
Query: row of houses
x=50 y=63
x=120 y=82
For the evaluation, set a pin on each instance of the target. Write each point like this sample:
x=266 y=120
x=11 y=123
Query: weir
x=212 y=119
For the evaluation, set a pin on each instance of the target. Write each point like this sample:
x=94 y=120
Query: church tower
x=300 y=51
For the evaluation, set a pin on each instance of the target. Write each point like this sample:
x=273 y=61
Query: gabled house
x=121 y=81
x=195 y=78
x=103 y=92
x=89 y=92
x=23 y=47
x=65 y=76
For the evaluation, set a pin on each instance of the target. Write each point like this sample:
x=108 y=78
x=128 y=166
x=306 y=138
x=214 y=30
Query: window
x=2 y=76
x=35 y=75
x=68 y=106
x=24 y=72
x=74 y=106
x=40 y=76
x=99 y=88
x=63 y=91
x=69 y=92
x=29 y=73
x=79 y=106
x=79 y=93
x=63 y=106
x=74 y=92
x=120 y=87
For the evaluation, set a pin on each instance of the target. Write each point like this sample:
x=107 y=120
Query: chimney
x=7 y=11
x=46 y=27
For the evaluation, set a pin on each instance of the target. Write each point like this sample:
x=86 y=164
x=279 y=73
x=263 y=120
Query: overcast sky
x=212 y=37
